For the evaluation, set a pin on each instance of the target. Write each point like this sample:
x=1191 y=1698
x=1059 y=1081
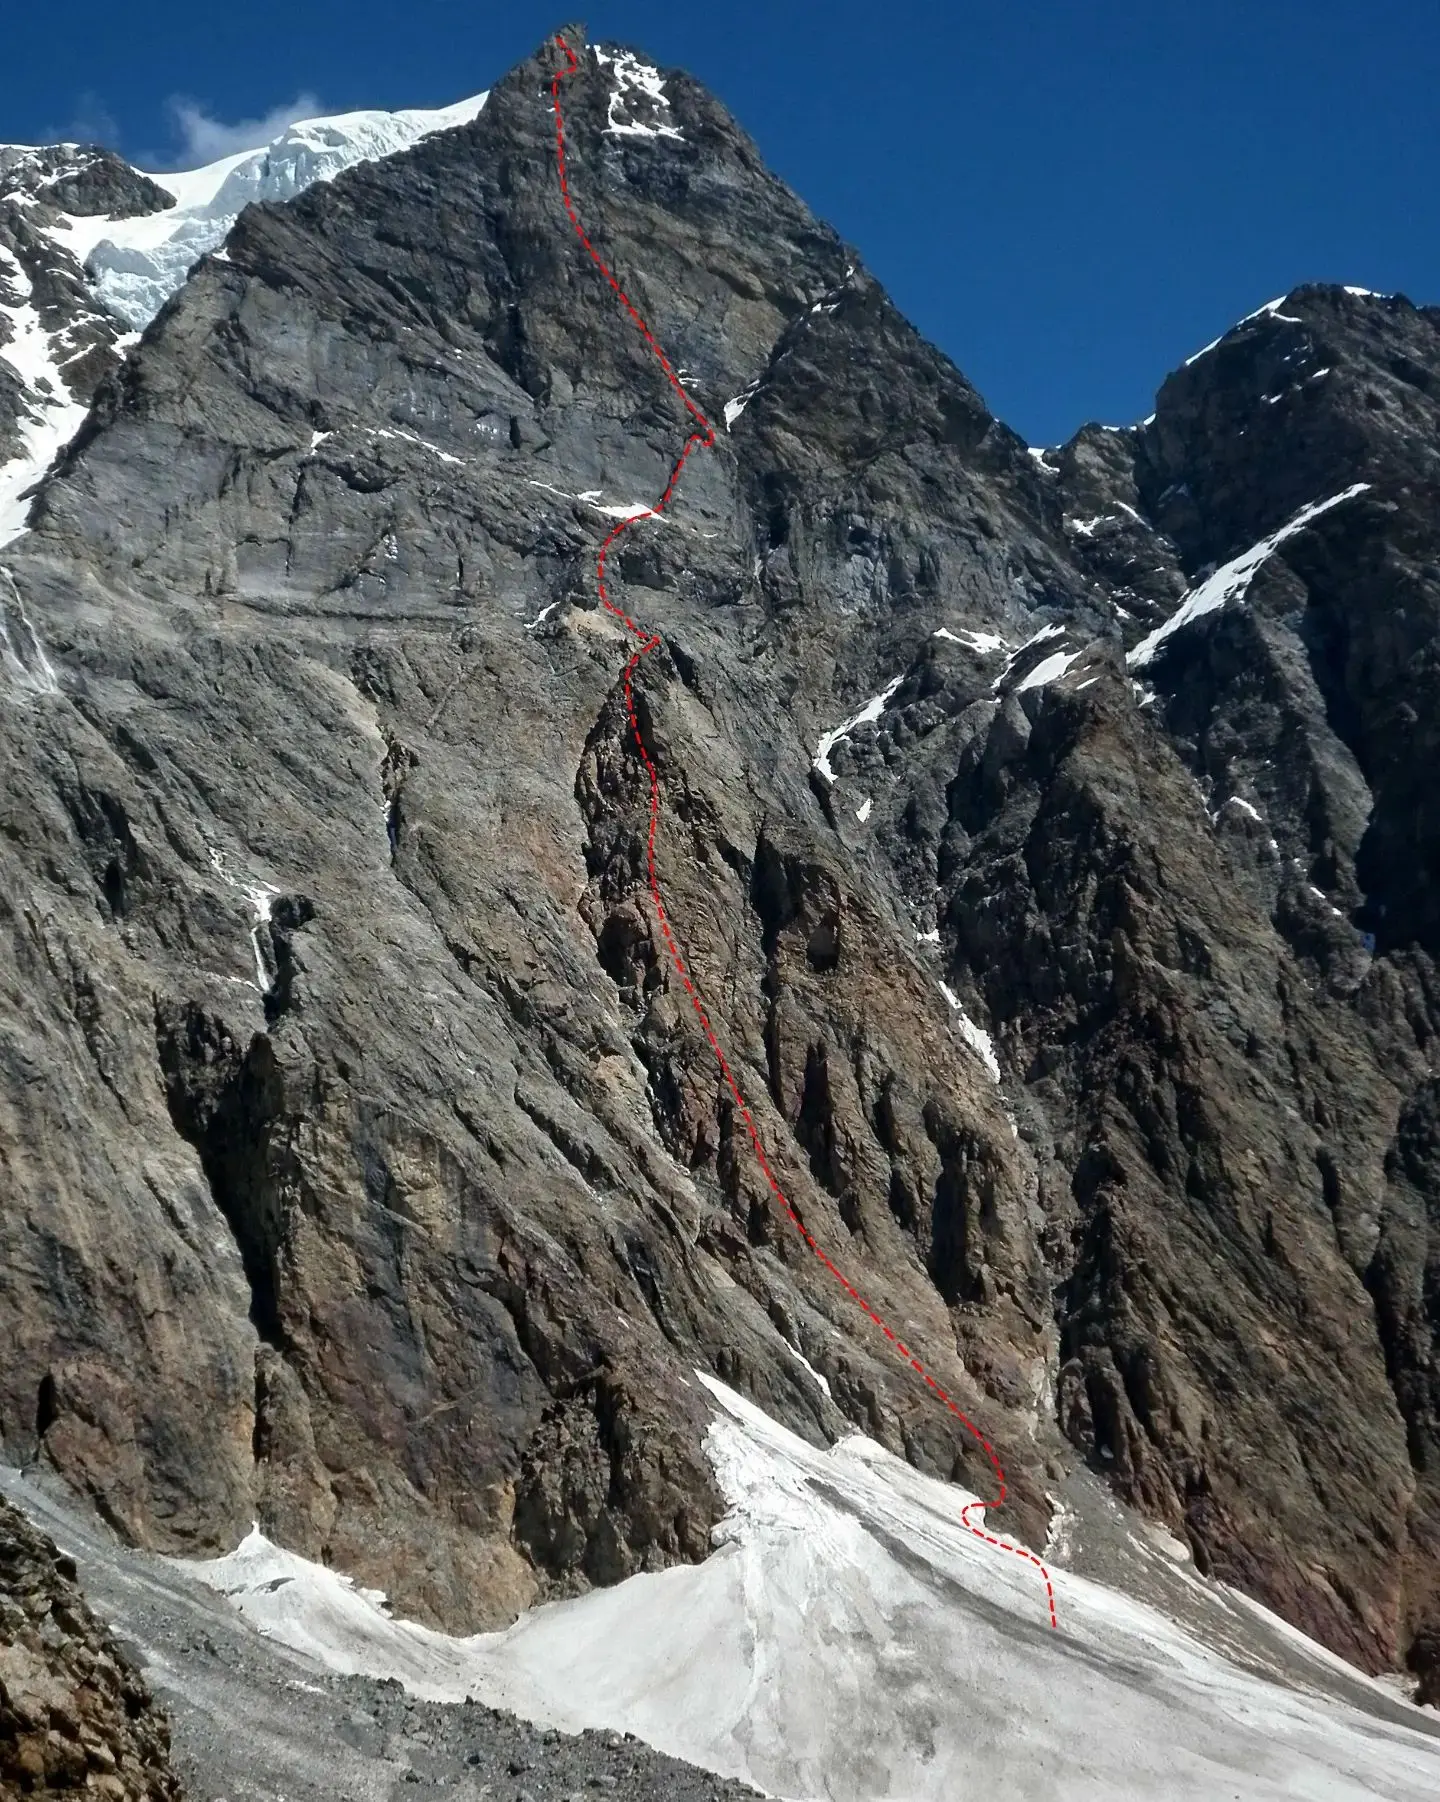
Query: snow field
x=850 y=1639
x=1232 y=580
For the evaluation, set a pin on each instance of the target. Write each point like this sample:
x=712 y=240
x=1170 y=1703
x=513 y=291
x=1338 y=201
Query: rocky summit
x=1050 y=835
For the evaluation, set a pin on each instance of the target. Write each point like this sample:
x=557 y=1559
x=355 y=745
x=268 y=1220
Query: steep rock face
x=75 y=1714
x=1306 y=711
x=466 y=1163
x=91 y=249
x=369 y=1170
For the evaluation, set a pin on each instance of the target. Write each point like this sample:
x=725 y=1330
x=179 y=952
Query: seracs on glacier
x=134 y=265
x=137 y=264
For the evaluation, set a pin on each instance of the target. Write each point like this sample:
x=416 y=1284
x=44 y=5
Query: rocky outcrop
x=371 y=1172
x=75 y=1714
x=1305 y=714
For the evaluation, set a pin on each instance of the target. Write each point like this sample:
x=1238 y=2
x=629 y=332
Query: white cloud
x=204 y=139
x=93 y=123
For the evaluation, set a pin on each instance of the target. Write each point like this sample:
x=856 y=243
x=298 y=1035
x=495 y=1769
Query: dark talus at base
x=367 y=1172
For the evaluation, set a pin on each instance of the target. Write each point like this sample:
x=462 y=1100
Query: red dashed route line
x=704 y=435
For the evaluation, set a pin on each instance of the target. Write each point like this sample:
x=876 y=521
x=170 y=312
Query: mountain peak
x=91 y=249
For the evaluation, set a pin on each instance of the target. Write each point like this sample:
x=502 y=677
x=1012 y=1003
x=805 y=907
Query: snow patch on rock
x=50 y=415
x=820 y=1382
x=974 y=1036
x=1050 y=669
x=1271 y=309
x=734 y=408
x=867 y=716
x=1232 y=580
x=1033 y=679
x=984 y=644
x=638 y=106
x=423 y=443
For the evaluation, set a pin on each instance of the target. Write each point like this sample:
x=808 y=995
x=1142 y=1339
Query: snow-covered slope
x=850 y=1639
x=137 y=264
x=50 y=416
x=1231 y=581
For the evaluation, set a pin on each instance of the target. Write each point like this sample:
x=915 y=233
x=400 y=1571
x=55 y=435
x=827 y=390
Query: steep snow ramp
x=137 y=264
x=1272 y=309
x=1232 y=580
x=850 y=1639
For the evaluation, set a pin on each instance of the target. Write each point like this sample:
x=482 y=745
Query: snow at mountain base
x=139 y=263
x=850 y=1639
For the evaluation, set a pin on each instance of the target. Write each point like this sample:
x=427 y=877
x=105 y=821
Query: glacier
x=137 y=264
x=850 y=1639
x=134 y=265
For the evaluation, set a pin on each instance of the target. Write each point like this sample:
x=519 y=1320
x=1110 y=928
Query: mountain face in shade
x=367 y=1171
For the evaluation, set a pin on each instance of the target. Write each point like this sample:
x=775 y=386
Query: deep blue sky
x=1068 y=198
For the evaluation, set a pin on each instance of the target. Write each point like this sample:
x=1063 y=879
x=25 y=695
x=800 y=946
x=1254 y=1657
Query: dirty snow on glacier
x=850 y=1639
x=1231 y=581
x=137 y=264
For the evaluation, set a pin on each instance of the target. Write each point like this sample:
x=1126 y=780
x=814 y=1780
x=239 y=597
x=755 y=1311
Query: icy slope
x=137 y=264
x=1231 y=581
x=849 y=1639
